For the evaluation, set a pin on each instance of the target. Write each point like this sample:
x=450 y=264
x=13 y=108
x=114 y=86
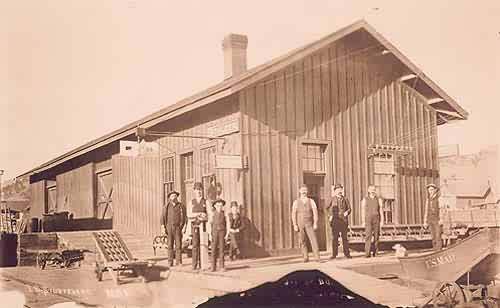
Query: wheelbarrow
x=63 y=259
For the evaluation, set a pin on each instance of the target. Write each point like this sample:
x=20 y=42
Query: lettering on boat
x=440 y=260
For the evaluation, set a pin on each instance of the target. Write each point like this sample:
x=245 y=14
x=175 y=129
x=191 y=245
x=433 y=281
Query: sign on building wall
x=134 y=149
x=383 y=165
x=228 y=161
x=224 y=127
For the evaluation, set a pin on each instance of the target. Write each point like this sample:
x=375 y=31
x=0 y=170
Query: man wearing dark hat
x=340 y=209
x=198 y=218
x=219 y=234
x=431 y=216
x=173 y=222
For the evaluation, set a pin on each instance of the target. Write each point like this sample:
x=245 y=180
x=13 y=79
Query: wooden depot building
x=348 y=108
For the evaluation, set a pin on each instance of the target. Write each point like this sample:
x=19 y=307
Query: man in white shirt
x=305 y=222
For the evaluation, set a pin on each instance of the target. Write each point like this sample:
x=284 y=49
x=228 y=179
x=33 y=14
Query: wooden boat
x=451 y=263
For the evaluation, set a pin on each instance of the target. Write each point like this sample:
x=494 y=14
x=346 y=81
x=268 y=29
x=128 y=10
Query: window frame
x=164 y=183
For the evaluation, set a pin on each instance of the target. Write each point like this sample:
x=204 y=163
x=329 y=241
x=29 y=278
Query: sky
x=76 y=70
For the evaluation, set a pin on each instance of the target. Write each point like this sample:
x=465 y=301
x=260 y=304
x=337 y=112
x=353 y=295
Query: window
x=168 y=175
x=313 y=158
x=388 y=210
x=207 y=161
x=384 y=175
x=187 y=167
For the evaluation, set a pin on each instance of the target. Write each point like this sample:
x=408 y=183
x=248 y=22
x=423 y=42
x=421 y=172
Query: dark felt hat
x=337 y=186
x=173 y=192
x=198 y=185
x=234 y=203
x=220 y=201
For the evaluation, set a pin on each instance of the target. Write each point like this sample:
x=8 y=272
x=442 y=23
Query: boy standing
x=219 y=233
x=235 y=227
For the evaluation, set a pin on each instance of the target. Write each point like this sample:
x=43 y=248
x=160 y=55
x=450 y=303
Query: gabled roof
x=234 y=84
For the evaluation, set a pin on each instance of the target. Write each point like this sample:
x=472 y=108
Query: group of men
x=174 y=221
x=305 y=220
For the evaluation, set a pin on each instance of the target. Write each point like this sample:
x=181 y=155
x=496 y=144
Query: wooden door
x=316 y=185
x=51 y=199
x=104 y=201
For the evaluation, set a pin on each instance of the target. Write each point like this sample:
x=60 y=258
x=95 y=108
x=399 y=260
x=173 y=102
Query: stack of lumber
x=31 y=243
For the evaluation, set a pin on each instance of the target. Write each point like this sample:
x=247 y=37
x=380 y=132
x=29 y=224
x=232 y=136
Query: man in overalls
x=431 y=216
x=305 y=221
x=198 y=219
x=340 y=209
x=371 y=208
x=173 y=222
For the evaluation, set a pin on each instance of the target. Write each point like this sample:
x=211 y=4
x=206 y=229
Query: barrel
x=8 y=249
x=48 y=223
x=34 y=226
x=61 y=221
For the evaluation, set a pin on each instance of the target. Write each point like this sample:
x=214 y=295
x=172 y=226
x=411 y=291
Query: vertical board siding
x=75 y=191
x=341 y=95
x=38 y=198
x=137 y=195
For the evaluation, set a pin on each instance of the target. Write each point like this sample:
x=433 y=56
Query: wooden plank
x=351 y=134
x=279 y=163
x=245 y=152
x=335 y=125
x=318 y=131
x=268 y=162
x=364 y=120
x=255 y=163
x=291 y=127
x=417 y=146
x=400 y=178
x=408 y=133
x=343 y=134
x=261 y=149
x=308 y=98
x=298 y=90
x=359 y=149
x=325 y=95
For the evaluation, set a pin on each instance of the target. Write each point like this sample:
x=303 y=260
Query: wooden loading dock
x=349 y=108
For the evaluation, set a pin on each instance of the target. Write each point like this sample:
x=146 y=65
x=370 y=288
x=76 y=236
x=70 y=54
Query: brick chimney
x=235 y=54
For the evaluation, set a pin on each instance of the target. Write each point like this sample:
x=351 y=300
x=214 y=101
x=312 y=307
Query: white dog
x=400 y=250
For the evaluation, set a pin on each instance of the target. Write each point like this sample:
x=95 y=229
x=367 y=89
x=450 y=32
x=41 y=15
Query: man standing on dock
x=173 y=223
x=431 y=216
x=372 y=219
x=305 y=221
x=340 y=209
x=198 y=223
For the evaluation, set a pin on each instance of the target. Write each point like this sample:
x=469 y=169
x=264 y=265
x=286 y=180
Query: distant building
x=470 y=180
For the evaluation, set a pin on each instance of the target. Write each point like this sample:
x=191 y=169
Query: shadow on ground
x=298 y=289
